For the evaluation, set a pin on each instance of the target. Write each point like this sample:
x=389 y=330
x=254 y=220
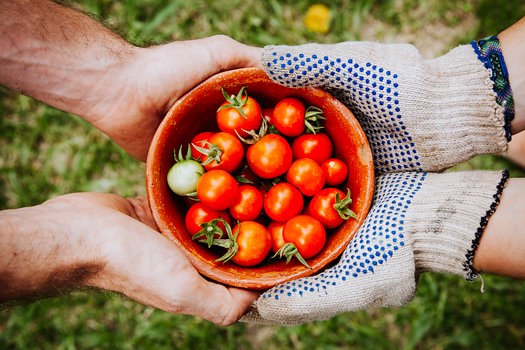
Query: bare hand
x=109 y=242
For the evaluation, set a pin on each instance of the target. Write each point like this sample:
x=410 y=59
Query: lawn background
x=45 y=153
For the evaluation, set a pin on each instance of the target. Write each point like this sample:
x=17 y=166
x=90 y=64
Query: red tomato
x=249 y=205
x=283 y=201
x=270 y=157
x=322 y=207
x=199 y=214
x=306 y=233
x=200 y=141
x=335 y=171
x=263 y=191
x=276 y=232
x=217 y=189
x=288 y=117
x=231 y=120
x=306 y=175
x=267 y=114
x=254 y=243
x=226 y=151
x=314 y=146
x=245 y=175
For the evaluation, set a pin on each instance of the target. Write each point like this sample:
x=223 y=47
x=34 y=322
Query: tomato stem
x=255 y=136
x=341 y=206
x=213 y=152
x=209 y=230
x=313 y=119
x=236 y=102
x=289 y=250
x=229 y=243
x=179 y=157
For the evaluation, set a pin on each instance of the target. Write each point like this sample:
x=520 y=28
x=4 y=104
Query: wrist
x=41 y=253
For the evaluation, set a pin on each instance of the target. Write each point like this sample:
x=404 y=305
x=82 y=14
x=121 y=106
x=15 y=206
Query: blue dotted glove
x=422 y=115
x=418 y=222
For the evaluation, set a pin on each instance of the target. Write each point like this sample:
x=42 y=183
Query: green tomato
x=183 y=177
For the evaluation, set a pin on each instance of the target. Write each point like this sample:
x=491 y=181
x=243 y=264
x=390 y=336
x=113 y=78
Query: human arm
x=502 y=246
x=109 y=242
x=419 y=115
x=513 y=47
x=71 y=62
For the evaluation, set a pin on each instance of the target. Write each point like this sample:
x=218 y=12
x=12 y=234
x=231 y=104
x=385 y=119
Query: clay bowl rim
x=254 y=277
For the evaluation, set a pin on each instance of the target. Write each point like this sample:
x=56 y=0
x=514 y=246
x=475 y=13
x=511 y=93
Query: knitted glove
x=418 y=114
x=418 y=222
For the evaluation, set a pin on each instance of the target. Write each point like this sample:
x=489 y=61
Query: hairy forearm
x=513 y=47
x=38 y=258
x=60 y=56
x=502 y=246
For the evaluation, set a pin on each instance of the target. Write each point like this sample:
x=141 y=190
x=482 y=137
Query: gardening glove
x=418 y=222
x=418 y=114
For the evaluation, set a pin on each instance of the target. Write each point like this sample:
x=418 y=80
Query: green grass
x=45 y=152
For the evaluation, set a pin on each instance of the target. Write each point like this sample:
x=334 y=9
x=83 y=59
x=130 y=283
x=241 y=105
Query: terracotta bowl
x=195 y=112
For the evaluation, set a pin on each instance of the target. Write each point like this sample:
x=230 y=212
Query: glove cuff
x=448 y=219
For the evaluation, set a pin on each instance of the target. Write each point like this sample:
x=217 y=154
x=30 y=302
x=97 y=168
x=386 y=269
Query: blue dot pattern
x=378 y=240
x=370 y=91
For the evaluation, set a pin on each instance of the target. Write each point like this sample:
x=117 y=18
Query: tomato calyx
x=269 y=183
x=313 y=119
x=289 y=250
x=179 y=157
x=213 y=152
x=341 y=206
x=209 y=230
x=241 y=179
x=229 y=243
x=254 y=136
x=236 y=102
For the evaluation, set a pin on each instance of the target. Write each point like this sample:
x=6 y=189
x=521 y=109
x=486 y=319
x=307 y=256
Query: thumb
x=219 y=304
x=191 y=62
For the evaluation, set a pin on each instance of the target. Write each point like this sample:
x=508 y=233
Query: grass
x=45 y=152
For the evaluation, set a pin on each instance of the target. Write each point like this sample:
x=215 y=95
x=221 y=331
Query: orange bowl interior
x=195 y=112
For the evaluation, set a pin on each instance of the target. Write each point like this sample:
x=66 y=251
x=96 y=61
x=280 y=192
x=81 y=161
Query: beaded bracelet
x=489 y=52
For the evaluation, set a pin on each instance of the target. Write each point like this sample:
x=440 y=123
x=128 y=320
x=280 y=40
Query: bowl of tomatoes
x=241 y=184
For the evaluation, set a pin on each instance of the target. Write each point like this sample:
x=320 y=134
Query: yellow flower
x=317 y=18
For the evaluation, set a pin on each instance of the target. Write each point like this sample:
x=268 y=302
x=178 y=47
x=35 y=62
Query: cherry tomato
x=306 y=233
x=200 y=141
x=184 y=175
x=263 y=191
x=267 y=114
x=283 y=201
x=254 y=243
x=249 y=205
x=314 y=146
x=226 y=152
x=335 y=171
x=306 y=175
x=199 y=214
x=276 y=232
x=288 y=117
x=245 y=175
x=230 y=120
x=217 y=189
x=270 y=157
x=322 y=207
